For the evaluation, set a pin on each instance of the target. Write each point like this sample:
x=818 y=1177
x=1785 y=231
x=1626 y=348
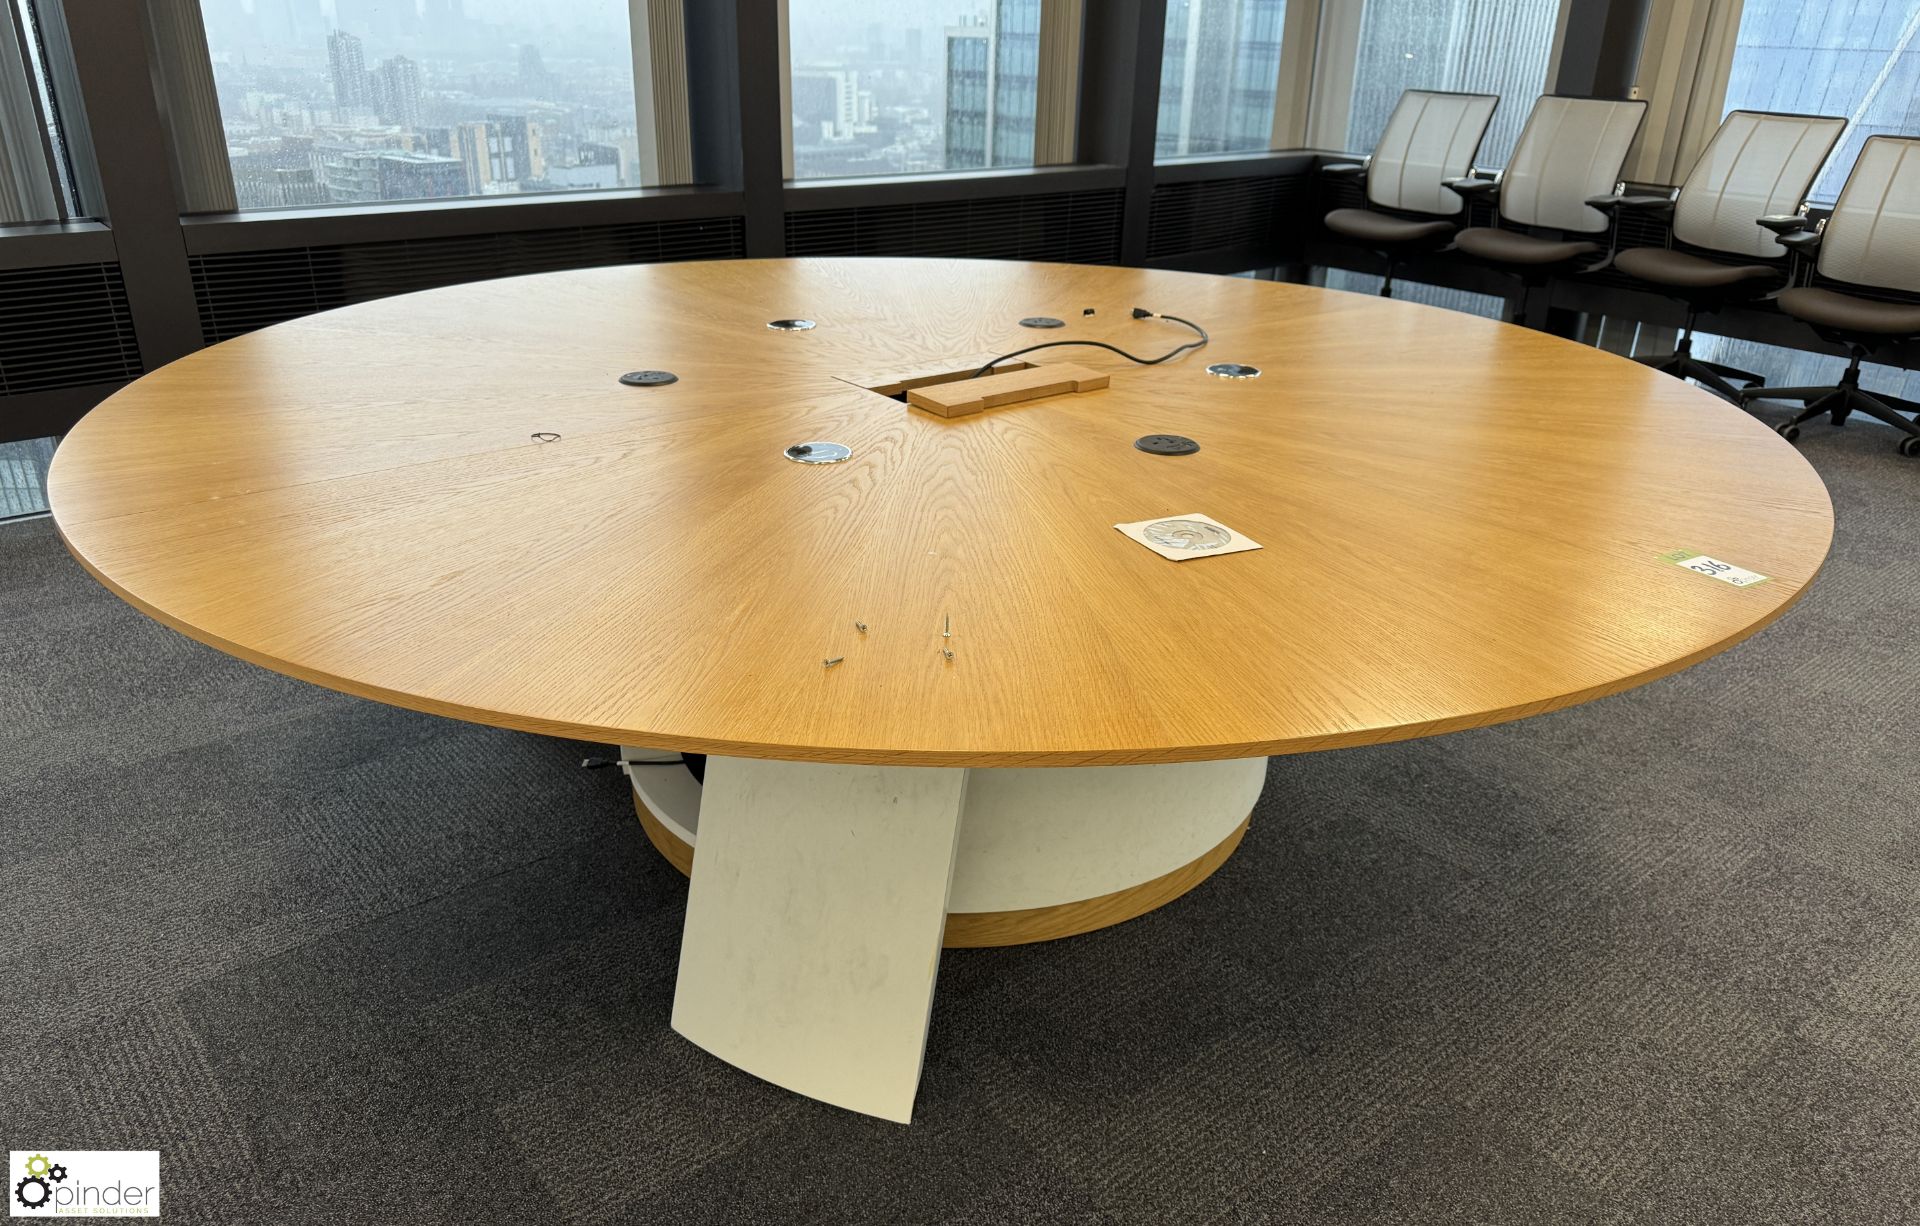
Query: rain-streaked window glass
x=1855 y=58
x=1499 y=47
x=1219 y=71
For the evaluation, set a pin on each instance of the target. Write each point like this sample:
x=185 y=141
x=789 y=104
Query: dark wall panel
x=67 y=326
x=240 y=291
x=1066 y=227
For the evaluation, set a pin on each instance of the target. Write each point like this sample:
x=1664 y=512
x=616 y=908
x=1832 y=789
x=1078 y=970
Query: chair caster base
x=1790 y=432
x=1910 y=446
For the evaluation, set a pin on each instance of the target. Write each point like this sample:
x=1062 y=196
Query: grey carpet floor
x=1656 y=959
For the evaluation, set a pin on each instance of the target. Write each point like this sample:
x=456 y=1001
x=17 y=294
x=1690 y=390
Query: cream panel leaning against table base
x=820 y=891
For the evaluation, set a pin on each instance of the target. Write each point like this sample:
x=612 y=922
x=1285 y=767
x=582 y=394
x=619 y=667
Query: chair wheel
x=1790 y=432
x=1910 y=446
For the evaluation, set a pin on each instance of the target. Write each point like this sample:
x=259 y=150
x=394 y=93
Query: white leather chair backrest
x=1430 y=137
x=1571 y=148
x=1757 y=163
x=1873 y=237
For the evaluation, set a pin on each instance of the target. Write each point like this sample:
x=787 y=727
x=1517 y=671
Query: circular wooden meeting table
x=943 y=697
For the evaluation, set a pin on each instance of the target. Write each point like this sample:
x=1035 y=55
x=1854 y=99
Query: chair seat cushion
x=1513 y=247
x=1677 y=268
x=1382 y=230
x=1827 y=309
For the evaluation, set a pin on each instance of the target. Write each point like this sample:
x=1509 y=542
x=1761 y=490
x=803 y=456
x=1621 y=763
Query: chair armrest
x=1612 y=204
x=1345 y=170
x=1802 y=242
x=1786 y=223
x=1470 y=188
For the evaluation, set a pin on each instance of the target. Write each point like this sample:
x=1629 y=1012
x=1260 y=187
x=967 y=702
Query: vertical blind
x=27 y=189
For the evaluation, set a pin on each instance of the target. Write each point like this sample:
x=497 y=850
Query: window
x=1475 y=46
x=35 y=180
x=1857 y=58
x=23 y=477
x=360 y=101
x=933 y=86
x=1219 y=71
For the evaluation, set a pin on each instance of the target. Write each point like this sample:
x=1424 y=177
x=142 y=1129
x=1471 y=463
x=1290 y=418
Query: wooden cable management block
x=964 y=396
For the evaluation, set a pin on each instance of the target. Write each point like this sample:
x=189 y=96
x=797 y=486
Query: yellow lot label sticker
x=1713 y=568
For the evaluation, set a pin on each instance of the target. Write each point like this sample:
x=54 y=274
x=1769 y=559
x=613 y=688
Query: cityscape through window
x=357 y=101
x=936 y=85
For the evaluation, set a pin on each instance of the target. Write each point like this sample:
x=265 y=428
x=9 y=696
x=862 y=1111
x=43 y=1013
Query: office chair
x=1430 y=137
x=1872 y=241
x=1758 y=162
x=1570 y=150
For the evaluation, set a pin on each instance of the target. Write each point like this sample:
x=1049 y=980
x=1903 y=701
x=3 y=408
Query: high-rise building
x=361 y=175
x=969 y=86
x=468 y=142
x=514 y=149
x=827 y=101
x=395 y=86
x=277 y=174
x=420 y=176
x=993 y=87
x=1016 y=80
x=347 y=61
x=1219 y=68
x=597 y=153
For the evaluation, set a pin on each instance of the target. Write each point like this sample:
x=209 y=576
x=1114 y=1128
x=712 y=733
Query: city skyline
x=362 y=100
x=349 y=101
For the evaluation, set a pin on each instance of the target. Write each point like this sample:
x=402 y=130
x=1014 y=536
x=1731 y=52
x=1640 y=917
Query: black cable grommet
x=1166 y=444
x=649 y=378
x=1042 y=321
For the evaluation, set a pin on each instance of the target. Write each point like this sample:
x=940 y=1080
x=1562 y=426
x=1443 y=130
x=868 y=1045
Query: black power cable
x=1138 y=313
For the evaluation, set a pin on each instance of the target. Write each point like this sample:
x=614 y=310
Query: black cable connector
x=1138 y=313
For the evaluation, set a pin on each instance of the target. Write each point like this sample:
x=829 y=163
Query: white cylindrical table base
x=1043 y=852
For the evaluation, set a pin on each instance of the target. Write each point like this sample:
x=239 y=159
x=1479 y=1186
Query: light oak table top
x=1461 y=521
